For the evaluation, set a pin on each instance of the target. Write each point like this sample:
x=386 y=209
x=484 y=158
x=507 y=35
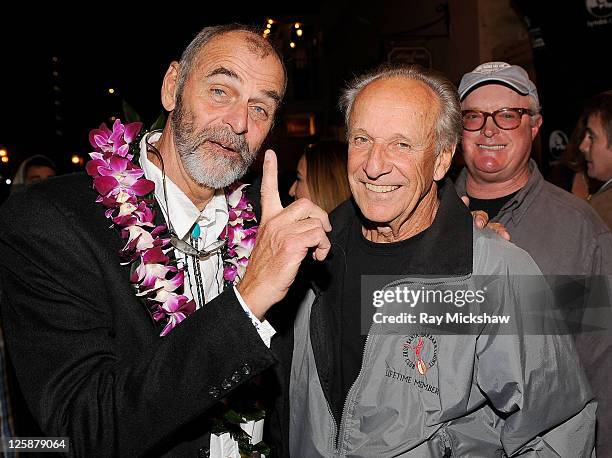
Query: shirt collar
x=516 y=207
x=183 y=213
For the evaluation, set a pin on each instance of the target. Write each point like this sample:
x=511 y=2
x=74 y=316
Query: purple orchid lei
x=122 y=190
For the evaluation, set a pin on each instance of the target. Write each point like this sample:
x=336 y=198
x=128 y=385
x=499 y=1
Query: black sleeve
x=89 y=367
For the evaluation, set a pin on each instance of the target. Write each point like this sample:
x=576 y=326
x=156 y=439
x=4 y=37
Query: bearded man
x=87 y=351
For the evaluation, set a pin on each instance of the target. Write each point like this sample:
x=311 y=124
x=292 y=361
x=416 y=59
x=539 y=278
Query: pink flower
x=229 y=272
x=119 y=176
x=176 y=307
x=147 y=276
x=130 y=214
x=114 y=142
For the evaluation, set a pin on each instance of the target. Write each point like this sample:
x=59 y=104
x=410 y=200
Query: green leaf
x=160 y=122
x=254 y=415
x=234 y=417
x=262 y=447
x=130 y=115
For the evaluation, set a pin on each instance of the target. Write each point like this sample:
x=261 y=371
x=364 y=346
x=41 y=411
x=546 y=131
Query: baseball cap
x=490 y=72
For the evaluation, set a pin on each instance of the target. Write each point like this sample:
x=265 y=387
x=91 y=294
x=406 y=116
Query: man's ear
x=168 y=90
x=443 y=163
x=535 y=128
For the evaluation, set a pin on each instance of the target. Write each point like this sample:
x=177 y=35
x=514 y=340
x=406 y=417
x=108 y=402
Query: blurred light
x=54 y=59
x=269 y=26
x=292 y=45
x=55 y=74
x=270 y=21
x=3 y=152
x=297 y=25
x=267 y=31
x=299 y=32
x=76 y=159
x=111 y=91
x=5 y=159
x=113 y=118
x=8 y=181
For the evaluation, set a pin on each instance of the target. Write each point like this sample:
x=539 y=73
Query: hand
x=284 y=238
x=481 y=219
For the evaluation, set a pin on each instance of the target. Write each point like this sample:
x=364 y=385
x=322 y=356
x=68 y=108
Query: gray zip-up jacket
x=482 y=395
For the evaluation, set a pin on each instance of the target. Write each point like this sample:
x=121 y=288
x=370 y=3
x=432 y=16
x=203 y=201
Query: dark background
x=57 y=63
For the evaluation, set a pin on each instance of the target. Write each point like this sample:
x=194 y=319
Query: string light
x=292 y=45
x=299 y=32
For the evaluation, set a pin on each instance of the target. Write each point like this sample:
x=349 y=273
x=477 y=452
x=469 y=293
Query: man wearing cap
x=564 y=236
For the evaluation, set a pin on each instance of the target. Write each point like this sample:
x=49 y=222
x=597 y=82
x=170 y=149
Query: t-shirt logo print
x=420 y=352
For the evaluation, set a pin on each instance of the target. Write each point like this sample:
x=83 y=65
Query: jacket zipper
x=331 y=414
x=340 y=433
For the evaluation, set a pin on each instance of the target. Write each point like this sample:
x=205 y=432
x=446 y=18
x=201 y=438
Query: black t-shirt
x=367 y=258
x=491 y=206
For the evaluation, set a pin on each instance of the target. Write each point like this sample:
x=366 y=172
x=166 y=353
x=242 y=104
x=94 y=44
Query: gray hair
x=449 y=125
x=256 y=43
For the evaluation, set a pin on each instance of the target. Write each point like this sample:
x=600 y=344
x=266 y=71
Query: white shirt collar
x=183 y=213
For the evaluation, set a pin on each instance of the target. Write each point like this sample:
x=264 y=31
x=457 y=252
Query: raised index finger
x=270 y=200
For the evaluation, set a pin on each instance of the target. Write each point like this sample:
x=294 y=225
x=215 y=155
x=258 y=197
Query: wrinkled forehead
x=395 y=103
x=241 y=39
x=242 y=48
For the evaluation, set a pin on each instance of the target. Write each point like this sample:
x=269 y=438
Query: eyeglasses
x=504 y=118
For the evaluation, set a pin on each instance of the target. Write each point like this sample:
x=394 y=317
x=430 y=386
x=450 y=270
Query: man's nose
x=489 y=128
x=237 y=117
x=376 y=164
x=584 y=145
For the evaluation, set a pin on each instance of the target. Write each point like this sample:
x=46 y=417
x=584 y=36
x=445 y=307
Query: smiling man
x=501 y=118
x=403 y=392
x=565 y=237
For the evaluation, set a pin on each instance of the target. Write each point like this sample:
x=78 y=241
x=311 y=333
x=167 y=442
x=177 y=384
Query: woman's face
x=299 y=188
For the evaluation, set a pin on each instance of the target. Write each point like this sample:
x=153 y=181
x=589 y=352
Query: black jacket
x=86 y=352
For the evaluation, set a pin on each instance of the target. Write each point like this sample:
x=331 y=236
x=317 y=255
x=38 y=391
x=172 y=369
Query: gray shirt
x=561 y=232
